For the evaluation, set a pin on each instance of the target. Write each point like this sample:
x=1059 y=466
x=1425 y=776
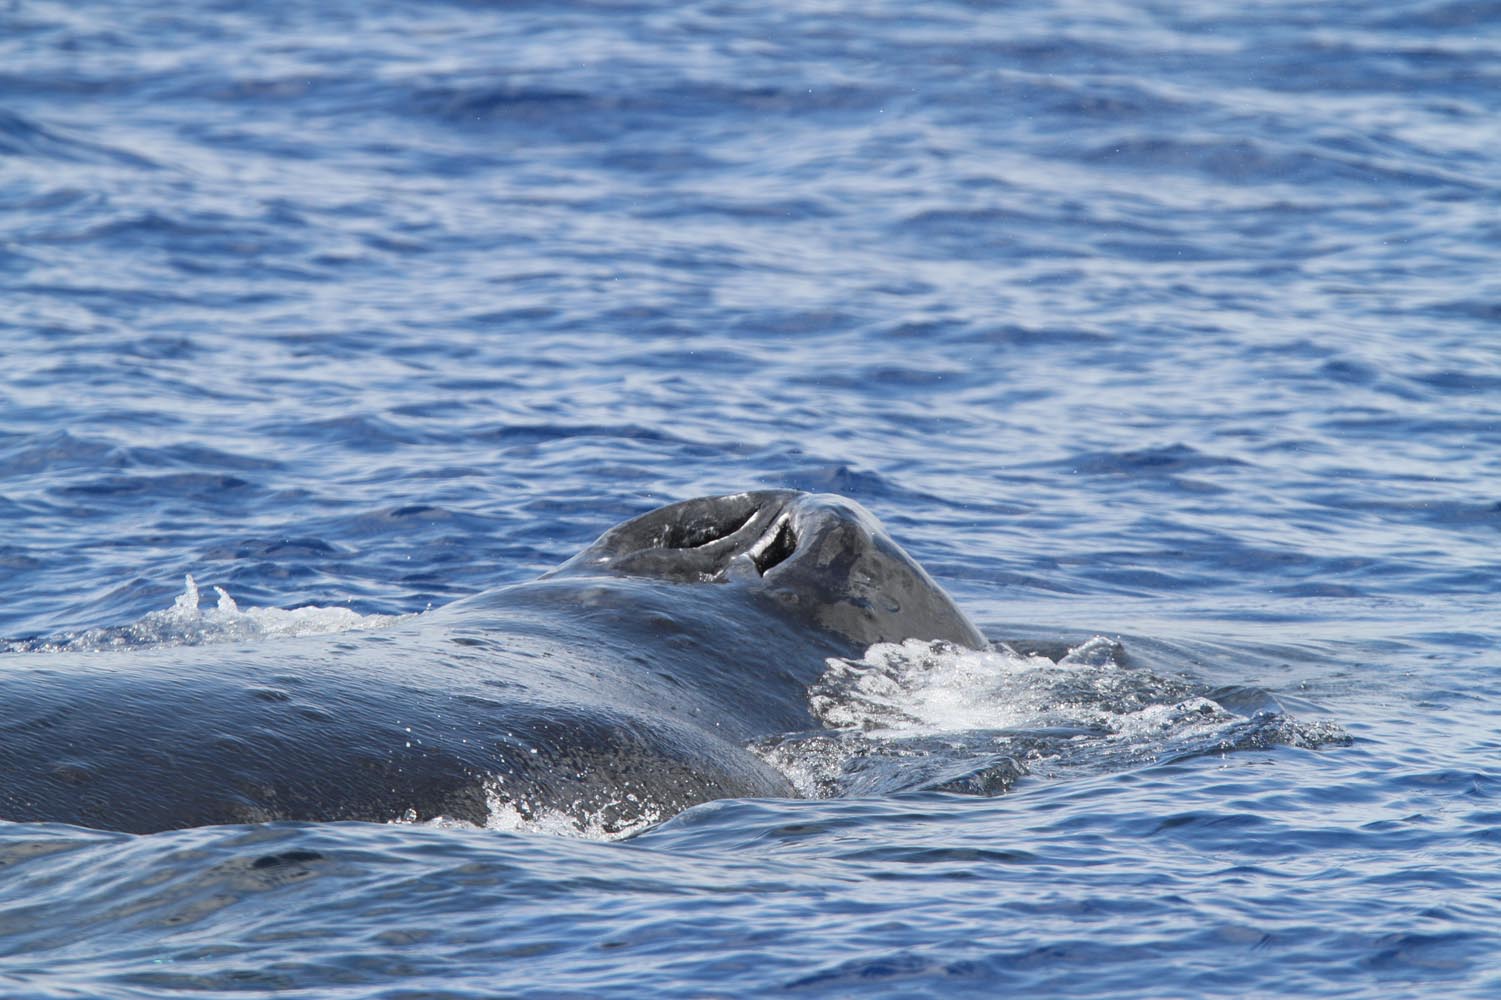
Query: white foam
x=920 y=714
x=511 y=815
x=508 y=815
x=924 y=688
x=188 y=623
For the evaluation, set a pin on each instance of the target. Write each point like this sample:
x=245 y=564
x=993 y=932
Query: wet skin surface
x=621 y=686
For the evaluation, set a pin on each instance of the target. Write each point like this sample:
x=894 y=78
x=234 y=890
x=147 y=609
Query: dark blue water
x=1178 y=323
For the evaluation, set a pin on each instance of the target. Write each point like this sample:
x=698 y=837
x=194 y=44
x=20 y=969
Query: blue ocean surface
x=1165 y=328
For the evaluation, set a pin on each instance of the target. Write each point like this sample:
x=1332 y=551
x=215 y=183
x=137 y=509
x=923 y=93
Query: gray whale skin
x=618 y=689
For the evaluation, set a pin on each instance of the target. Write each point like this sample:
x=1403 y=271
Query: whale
x=614 y=691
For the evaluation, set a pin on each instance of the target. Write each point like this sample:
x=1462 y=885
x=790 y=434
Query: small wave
x=934 y=716
x=187 y=623
x=27 y=138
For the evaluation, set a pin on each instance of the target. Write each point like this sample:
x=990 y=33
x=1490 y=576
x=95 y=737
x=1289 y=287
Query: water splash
x=593 y=820
x=188 y=623
x=588 y=821
x=931 y=715
x=923 y=688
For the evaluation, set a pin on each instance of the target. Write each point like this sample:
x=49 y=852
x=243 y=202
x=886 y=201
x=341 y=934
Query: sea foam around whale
x=923 y=715
x=189 y=623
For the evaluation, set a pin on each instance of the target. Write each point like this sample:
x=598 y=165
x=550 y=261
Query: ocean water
x=1166 y=336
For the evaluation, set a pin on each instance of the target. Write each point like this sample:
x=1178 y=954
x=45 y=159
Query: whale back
x=382 y=726
x=618 y=689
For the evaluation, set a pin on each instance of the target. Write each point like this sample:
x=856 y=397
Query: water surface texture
x=1177 y=325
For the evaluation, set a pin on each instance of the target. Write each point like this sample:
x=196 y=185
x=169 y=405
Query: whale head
x=816 y=558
